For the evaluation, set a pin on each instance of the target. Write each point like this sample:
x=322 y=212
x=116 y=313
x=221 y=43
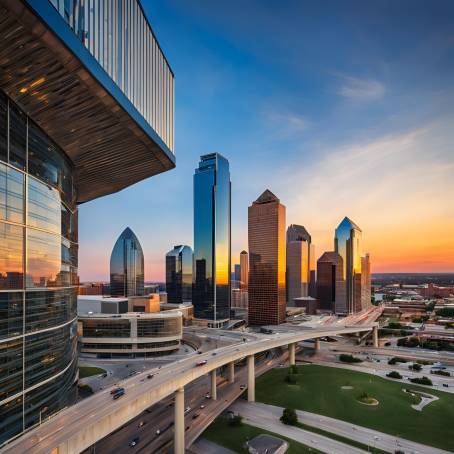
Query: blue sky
x=339 y=108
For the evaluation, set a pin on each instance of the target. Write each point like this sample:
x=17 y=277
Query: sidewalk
x=361 y=434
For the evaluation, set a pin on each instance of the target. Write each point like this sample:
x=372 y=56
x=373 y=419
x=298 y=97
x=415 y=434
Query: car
x=187 y=428
x=445 y=385
x=207 y=396
x=187 y=410
x=201 y=363
x=243 y=387
x=118 y=394
x=214 y=353
x=202 y=407
x=141 y=424
x=148 y=410
x=150 y=376
x=199 y=352
x=195 y=416
x=158 y=432
x=134 y=442
x=115 y=390
x=104 y=375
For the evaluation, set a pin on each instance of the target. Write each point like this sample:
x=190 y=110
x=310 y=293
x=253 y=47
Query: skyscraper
x=297 y=262
x=211 y=281
x=75 y=124
x=330 y=282
x=179 y=274
x=266 y=236
x=126 y=266
x=347 y=244
x=244 y=269
x=366 y=300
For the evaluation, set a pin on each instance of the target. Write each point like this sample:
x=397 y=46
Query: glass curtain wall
x=38 y=274
x=211 y=275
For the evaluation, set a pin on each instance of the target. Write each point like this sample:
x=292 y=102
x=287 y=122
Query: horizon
x=346 y=117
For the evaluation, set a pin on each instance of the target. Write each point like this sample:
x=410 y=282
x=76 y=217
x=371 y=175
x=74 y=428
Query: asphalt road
x=260 y=416
x=369 y=437
x=78 y=421
x=161 y=415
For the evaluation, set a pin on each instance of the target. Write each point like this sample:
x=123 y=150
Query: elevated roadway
x=80 y=426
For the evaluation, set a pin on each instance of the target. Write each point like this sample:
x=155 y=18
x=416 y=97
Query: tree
x=422 y=381
x=289 y=417
x=236 y=421
x=349 y=359
x=416 y=367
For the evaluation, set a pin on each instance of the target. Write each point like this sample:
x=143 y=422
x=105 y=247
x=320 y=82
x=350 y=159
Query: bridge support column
x=231 y=372
x=375 y=336
x=317 y=344
x=214 y=395
x=178 y=437
x=291 y=354
x=251 y=378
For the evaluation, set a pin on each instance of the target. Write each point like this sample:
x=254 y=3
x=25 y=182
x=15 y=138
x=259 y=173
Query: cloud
x=398 y=188
x=361 y=89
x=285 y=124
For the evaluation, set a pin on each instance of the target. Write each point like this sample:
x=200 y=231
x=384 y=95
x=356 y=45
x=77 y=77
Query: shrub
x=394 y=374
x=424 y=362
x=289 y=417
x=444 y=373
x=349 y=359
x=236 y=421
x=396 y=359
x=394 y=325
x=422 y=381
x=416 y=367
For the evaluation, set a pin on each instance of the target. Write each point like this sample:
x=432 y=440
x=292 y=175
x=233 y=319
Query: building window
x=11 y=194
x=11 y=256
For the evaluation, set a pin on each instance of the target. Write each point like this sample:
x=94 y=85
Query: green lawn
x=86 y=371
x=234 y=438
x=318 y=390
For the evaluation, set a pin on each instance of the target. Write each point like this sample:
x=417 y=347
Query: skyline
x=370 y=141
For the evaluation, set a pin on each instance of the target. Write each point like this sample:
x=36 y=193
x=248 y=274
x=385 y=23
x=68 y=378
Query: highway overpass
x=80 y=426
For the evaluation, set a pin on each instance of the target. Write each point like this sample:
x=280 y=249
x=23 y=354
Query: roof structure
x=266 y=197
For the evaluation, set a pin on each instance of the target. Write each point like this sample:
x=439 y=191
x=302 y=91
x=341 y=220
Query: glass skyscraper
x=211 y=274
x=179 y=274
x=126 y=266
x=86 y=109
x=347 y=243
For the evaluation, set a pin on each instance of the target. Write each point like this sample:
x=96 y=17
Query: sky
x=339 y=108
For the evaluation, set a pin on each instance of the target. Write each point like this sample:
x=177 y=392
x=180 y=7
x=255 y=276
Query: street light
x=40 y=413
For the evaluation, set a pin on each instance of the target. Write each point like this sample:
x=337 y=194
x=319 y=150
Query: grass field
x=234 y=438
x=85 y=371
x=318 y=390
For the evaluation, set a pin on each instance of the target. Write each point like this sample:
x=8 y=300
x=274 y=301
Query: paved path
x=204 y=446
x=260 y=415
x=361 y=434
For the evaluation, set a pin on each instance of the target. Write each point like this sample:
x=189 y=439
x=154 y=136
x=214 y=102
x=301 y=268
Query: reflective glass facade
x=38 y=274
x=179 y=275
x=211 y=272
x=347 y=243
x=126 y=266
x=119 y=37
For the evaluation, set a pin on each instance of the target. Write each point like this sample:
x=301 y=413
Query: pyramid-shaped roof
x=267 y=197
x=347 y=222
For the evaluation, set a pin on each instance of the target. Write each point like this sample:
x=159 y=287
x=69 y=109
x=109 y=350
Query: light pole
x=40 y=413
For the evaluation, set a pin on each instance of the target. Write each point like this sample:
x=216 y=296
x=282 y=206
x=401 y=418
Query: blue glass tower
x=126 y=266
x=212 y=207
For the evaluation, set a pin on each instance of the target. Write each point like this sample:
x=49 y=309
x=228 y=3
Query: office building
x=348 y=244
x=244 y=270
x=126 y=266
x=130 y=335
x=78 y=120
x=366 y=284
x=212 y=266
x=300 y=267
x=330 y=283
x=179 y=274
x=266 y=237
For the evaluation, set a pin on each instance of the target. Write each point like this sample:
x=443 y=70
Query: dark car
x=150 y=376
x=118 y=394
x=195 y=416
x=133 y=442
x=116 y=390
